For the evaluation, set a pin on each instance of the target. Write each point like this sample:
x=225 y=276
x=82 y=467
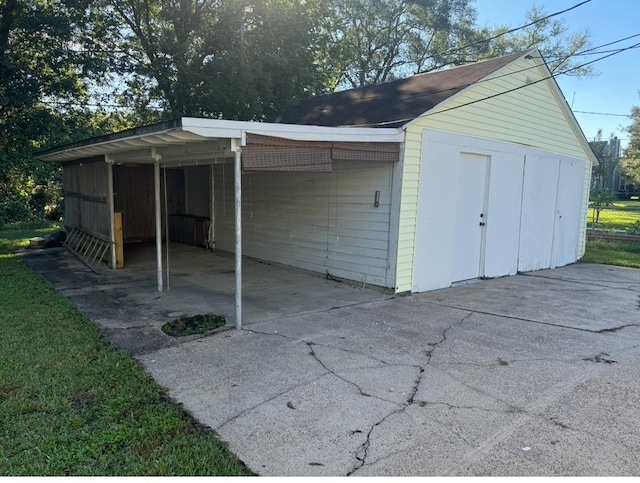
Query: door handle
x=482 y=223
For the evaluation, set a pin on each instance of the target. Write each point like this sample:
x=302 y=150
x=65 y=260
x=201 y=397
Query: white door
x=470 y=217
x=539 y=193
x=568 y=213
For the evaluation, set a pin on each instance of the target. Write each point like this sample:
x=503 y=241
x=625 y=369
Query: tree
x=631 y=159
x=47 y=57
x=376 y=41
x=607 y=162
x=560 y=48
x=599 y=199
x=212 y=58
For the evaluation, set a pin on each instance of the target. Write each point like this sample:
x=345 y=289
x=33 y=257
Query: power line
x=602 y=113
x=457 y=49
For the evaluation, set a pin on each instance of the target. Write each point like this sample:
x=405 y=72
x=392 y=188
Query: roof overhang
x=194 y=140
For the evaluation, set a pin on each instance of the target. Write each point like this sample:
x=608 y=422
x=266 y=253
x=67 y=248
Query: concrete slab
x=128 y=306
x=528 y=375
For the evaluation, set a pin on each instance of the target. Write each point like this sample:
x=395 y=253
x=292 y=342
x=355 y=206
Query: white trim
x=295 y=132
x=196 y=130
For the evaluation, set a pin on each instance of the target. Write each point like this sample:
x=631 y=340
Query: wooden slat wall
x=134 y=197
x=85 y=188
x=325 y=222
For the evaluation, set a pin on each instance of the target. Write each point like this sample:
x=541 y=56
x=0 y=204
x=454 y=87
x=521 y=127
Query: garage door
x=539 y=193
x=568 y=212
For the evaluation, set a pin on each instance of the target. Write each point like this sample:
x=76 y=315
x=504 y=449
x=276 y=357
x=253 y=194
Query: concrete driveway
x=535 y=374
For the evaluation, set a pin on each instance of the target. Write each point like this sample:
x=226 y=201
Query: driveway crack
x=363 y=451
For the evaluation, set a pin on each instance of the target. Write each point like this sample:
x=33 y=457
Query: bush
x=12 y=211
x=634 y=229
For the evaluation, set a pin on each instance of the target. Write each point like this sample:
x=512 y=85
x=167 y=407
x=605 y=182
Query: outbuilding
x=415 y=184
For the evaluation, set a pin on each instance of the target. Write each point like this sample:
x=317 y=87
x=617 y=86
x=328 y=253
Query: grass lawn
x=620 y=216
x=71 y=404
x=624 y=254
x=617 y=217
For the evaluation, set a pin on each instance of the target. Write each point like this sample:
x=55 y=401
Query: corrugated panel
x=324 y=222
x=198 y=188
x=85 y=187
x=134 y=195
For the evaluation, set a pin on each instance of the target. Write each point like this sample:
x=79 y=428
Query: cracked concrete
x=521 y=376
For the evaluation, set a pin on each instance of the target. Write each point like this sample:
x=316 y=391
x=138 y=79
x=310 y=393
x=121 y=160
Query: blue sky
x=615 y=88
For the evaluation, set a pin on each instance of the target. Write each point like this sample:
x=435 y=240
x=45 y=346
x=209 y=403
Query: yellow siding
x=530 y=116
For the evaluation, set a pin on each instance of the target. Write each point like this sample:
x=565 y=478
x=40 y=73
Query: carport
x=144 y=168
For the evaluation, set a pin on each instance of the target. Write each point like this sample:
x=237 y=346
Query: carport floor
x=531 y=375
x=128 y=306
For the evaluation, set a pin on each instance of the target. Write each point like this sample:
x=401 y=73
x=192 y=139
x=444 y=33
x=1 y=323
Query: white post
x=166 y=222
x=156 y=179
x=112 y=227
x=238 y=209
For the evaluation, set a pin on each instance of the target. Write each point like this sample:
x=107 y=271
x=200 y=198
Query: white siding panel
x=324 y=222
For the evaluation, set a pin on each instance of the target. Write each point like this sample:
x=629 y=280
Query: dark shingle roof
x=391 y=104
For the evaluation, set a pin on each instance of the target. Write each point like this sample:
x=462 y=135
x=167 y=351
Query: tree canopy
x=631 y=159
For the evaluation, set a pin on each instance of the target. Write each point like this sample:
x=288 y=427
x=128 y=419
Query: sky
x=615 y=88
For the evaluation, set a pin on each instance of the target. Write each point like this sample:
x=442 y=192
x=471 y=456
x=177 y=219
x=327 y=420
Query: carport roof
x=194 y=138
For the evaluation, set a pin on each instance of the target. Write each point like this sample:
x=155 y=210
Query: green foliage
x=600 y=198
x=70 y=404
x=371 y=42
x=214 y=59
x=631 y=159
x=550 y=35
x=196 y=324
x=634 y=229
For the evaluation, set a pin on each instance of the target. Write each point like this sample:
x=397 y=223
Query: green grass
x=620 y=216
x=71 y=404
x=624 y=254
x=16 y=236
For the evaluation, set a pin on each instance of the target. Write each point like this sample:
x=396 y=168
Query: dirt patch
x=196 y=324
